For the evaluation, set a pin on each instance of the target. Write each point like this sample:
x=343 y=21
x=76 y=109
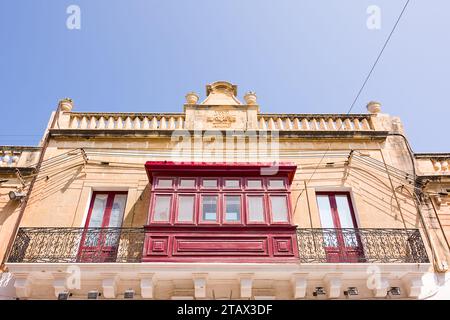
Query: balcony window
x=338 y=220
x=279 y=208
x=186 y=206
x=209 y=208
x=163 y=183
x=256 y=209
x=232 y=208
x=162 y=208
x=232 y=184
x=276 y=184
x=105 y=211
x=255 y=184
x=209 y=183
x=335 y=209
x=219 y=200
x=187 y=184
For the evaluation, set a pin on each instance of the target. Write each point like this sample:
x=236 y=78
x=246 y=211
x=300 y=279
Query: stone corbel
x=413 y=284
x=333 y=285
x=299 y=284
x=109 y=285
x=380 y=285
x=148 y=281
x=246 y=284
x=59 y=282
x=200 y=284
x=22 y=284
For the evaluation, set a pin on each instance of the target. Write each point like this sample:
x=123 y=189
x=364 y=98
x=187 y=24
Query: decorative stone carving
x=192 y=98
x=374 y=107
x=250 y=98
x=66 y=104
x=222 y=119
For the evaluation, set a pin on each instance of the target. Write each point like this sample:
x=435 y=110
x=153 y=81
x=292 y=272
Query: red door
x=100 y=239
x=340 y=237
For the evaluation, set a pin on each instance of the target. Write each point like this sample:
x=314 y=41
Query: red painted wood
x=342 y=252
x=220 y=240
x=221 y=192
x=269 y=244
x=85 y=251
x=238 y=169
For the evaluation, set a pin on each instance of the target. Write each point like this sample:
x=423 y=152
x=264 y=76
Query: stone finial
x=374 y=107
x=192 y=98
x=66 y=104
x=250 y=98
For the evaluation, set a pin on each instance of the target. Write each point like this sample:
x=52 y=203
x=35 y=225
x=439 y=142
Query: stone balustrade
x=312 y=122
x=433 y=163
x=17 y=156
x=174 y=121
x=126 y=121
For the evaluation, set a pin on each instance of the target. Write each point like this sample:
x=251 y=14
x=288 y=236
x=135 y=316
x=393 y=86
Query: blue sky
x=299 y=57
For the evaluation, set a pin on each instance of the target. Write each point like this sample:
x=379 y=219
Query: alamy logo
x=73 y=21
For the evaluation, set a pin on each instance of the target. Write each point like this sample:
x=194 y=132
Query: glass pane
x=96 y=219
x=276 y=184
x=346 y=220
x=186 y=208
x=256 y=209
x=326 y=220
x=232 y=208
x=164 y=183
x=187 y=183
x=326 y=217
x=162 y=208
x=117 y=210
x=98 y=211
x=254 y=184
x=279 y=208
x=209 y=208
x=210 y=183
x=343 y=208
x=232 y=184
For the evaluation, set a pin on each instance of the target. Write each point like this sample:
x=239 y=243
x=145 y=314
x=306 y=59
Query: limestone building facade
x=222 y=201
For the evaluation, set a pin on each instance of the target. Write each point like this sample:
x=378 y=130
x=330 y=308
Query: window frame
x=333 y=207
x=182 y=189
x=177 y=206
x=153 y=205
x=224 y=208
x=238 y=188
x=270 y=209
x=108 y=207
x=244 y=192
x=284 y=188
x=157 y=179
x=200 y=220
x=247 y=188
x=265 y=213
x=202 y=188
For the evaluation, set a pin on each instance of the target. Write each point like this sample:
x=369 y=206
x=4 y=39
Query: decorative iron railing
x=361 y=245
x=66 y=245
x=96 y=245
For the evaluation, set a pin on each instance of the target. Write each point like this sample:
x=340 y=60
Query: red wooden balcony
x=220 y=244
x=220 y=212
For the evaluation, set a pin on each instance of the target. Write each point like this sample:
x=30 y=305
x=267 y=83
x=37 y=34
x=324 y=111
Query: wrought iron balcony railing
x=361 y=245
x=91 y=245
x=96 y=245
